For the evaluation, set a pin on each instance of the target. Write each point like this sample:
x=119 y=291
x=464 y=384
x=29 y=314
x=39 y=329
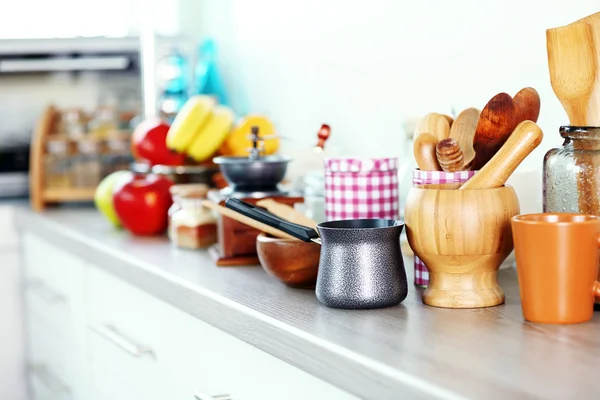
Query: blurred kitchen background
x=368 y=69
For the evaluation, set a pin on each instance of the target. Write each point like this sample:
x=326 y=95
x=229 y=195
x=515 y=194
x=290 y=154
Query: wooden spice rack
x=49 y=128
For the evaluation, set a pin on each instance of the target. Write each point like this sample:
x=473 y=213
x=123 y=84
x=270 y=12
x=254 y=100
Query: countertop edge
x=347 y=370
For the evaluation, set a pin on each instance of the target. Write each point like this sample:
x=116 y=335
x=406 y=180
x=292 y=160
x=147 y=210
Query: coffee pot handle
x=261 y=215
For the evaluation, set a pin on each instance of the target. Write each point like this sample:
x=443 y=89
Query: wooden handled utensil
x=593 y=22
x=424 y=152
x=286 y=212
x=463 y=131
x=573 y=66
x=246 y=220
x=527 y=104
x=523 y=140
x=435 y=124
x=496 y=123
x=573 y=63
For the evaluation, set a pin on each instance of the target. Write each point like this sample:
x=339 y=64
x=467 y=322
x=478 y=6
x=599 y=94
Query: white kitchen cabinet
x=54 y=291
x=12 y=358
x=93 y=336
x=160 y=349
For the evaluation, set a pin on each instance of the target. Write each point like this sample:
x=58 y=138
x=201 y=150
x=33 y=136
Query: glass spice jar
x=192 y=226
x=87 y=165
x=73 y=123
x=199 y=190
x=571 y=172
x=57 y=163
x=117 y=156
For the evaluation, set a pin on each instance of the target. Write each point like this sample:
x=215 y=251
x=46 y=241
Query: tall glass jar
x=572 y=172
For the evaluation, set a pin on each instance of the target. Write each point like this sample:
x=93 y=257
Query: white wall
x=366 y=67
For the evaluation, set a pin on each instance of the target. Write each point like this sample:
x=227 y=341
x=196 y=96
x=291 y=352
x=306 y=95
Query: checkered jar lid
x=438 y=177
x=346 y=164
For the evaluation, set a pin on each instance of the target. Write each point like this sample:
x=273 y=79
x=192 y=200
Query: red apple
x=142 y=203
x=149 y=142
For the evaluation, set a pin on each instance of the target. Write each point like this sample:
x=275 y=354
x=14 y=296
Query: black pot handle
x=260 y=214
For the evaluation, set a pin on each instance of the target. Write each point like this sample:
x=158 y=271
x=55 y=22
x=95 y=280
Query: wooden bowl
x=462 y=236
x=292 y=261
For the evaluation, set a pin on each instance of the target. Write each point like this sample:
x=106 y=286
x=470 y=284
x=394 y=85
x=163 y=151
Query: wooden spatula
x=463 y=131
x=573 y=68
x=286 y=212
x=573 y=64
x=246 y=220
x=594 y=23
x=496 y=122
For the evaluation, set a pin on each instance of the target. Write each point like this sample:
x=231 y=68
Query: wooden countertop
x=406 y=352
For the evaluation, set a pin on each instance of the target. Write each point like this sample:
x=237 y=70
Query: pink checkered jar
x=447 y=180
x=357 y=188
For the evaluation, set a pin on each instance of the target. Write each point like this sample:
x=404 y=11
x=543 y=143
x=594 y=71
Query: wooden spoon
x=523 y=140
x=573 y=65
x=527 y=103
x=434 y=124
x=286 y=212
x=424 y=152
x=246 y=220
x=463 y=131
x=496 y=123
x=449 y=118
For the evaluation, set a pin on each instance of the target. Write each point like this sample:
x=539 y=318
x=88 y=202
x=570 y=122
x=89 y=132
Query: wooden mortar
x=462 y=236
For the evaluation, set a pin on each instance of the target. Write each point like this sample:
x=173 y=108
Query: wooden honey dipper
x=449 y=155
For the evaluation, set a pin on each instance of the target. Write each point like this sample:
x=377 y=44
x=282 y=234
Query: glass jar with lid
x=191 y=225
x=572 y=172
x=57 y=164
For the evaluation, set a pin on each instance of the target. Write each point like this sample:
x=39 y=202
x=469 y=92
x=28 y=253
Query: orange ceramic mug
x=557 y=265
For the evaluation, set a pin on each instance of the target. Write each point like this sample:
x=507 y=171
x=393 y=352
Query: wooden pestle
x=573 y=63
x=522 y=141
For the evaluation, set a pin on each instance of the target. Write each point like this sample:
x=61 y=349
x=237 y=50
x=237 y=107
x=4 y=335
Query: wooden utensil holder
x=462 y=236
x=237 y=241
x=47 y=129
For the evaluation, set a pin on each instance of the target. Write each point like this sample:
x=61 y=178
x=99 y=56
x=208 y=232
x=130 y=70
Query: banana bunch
x=200 y=128
x=203 y=128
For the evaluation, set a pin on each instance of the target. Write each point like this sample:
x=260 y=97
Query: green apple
x=103 y=197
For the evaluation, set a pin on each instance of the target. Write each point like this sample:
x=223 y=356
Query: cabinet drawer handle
x=48 y=379
x=47 y=294
x=130 y=346
x=204 y=396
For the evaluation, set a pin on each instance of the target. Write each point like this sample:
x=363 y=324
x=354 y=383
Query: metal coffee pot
x=361 y=263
